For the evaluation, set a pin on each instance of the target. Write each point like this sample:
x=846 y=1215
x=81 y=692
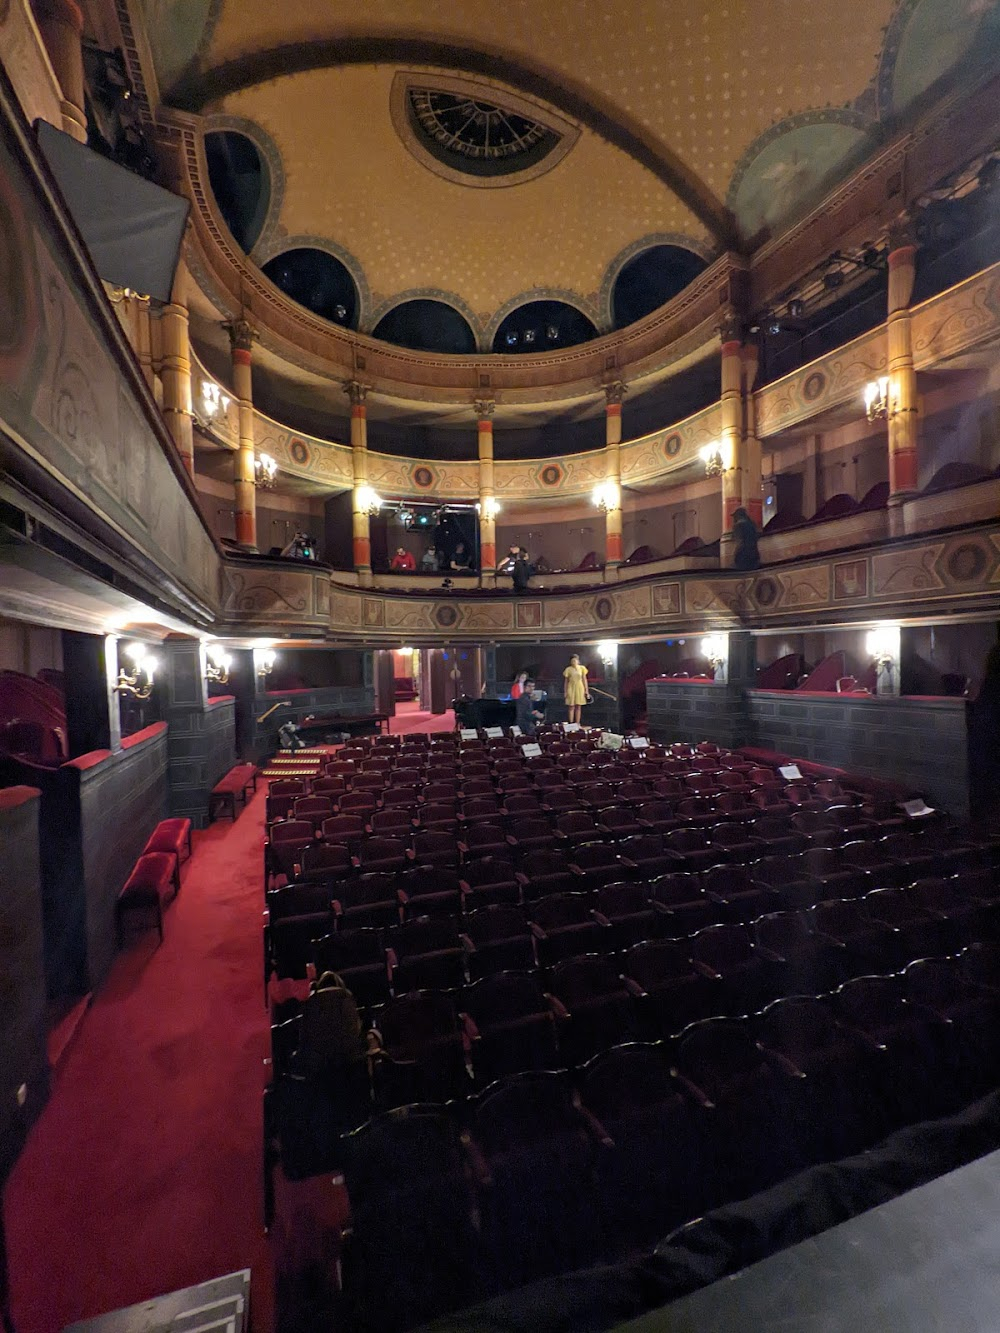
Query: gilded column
x=731 y=435
x=241 y=337
x=751 y=483
x=60 y=23
x=613 y=395
x=902 y=395
x=360 y=521
x=487 y=495
x=175 y=372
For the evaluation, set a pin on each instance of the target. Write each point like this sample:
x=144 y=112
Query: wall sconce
x=882 y=645
x=607 y=651
x=265 y=469
x=218 y=664
x=713 y=649
x=711 y=456
x=607 y=496
x=367 y=501
x=214 y=402
x=490 y=508
x=138 y=683
x=263 y=662
x=877 y=398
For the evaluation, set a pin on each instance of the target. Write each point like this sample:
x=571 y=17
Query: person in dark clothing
x=745 y=552
x=521 y=570
x=526 y=711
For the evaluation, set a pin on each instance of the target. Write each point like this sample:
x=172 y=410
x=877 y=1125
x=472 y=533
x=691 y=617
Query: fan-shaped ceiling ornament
x=475 y=133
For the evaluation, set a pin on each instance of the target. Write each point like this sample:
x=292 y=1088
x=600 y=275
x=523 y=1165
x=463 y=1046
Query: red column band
x=613 y=546
x=362 y=553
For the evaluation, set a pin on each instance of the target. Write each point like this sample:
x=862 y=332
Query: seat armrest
x=522 y=878
x=537 y=931
x=410 y=854
x=403 y=897
x=559 y=1010
x=467 y=943
x=469 y=1027
x=704 y=970
x=599 y=917
x=781 y=1062
x=629 y=864
x=865 y=1038
x=477 y=1160
x=575 y=870
x=462 y=848
x=337 y=907
x=510 y=840
x=592 y=1124
x=635 y=989
x=768 y=955
x=391 y=961
x=693 y=1091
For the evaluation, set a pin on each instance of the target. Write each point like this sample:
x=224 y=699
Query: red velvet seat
x=148 y=888
x=172 y=836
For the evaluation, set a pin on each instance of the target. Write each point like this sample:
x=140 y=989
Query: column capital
x=242 y=334
x=484 y=408
x=732 y=328
x=902 y=235
x=357 y=391
x=614 y=392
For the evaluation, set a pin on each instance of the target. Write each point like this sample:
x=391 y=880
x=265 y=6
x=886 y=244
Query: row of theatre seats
x=581 y=1045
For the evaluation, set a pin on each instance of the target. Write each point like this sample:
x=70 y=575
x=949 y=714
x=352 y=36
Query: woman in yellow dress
x=575 y=690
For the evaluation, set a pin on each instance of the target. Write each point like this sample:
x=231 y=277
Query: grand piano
x=484 y=712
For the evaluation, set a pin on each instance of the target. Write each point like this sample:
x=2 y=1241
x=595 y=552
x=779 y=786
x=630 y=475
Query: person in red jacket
x=402 y=561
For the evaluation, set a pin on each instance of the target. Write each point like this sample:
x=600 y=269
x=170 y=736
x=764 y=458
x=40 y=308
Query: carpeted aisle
x=143 y=1173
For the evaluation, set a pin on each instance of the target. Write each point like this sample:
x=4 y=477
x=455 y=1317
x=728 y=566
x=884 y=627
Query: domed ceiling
x=490 y=155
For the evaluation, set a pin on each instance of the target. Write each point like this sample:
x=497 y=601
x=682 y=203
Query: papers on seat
x=531 y=751
x=638 y=742
x=917 y=808
x=790 y=772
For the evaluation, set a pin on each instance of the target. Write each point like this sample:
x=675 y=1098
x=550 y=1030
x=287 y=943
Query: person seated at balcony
x=745 y=552
x=527 y=713
x=517 y=689
x=461 y=561
x=429 y=561
x=402 y=562
x=301 y=547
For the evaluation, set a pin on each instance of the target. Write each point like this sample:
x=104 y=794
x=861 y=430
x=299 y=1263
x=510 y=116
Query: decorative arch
x=605 y=298
x=279 y=244
x=454 y=329
x=271 y=158
x=925 y=44
x=587 y=307
x=452 y=299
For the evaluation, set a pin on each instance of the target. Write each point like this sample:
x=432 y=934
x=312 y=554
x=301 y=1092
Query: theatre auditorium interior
x=499 y=665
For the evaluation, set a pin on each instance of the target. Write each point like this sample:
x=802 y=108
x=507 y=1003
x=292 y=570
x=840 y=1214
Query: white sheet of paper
x=638 y=742
x=790 y=772
x=918 y=808
x=515 y=731
x=495 y=733
x=531 y=751
x=469 y=734
x=571 y=726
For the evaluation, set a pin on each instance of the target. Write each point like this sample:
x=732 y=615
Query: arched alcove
x=425 y=325
x=651 y=279
x=240 y=182
x=542 y=326
x=318 y=281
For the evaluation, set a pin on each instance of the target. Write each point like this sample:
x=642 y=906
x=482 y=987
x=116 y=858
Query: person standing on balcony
x=575 y=689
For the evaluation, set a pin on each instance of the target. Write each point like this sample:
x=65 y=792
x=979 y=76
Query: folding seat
x=433 y=791
x=980 y=964
x=854 y=822
x=681 y=905
x=518 y=804
x=804 y=963
x=439 y=815
x=368 y=900
x=480 y=840
x=645 y=855
x=540 y=1214
x=800 y=796
x=547 y=779
x=511 y=784
x=501 y=940
x=746 y=975
x=600 y=1010
x=330 y=860
x=735 y=805
x=841 y=1109
x=838 y=878
x=737 y=895
x=618 y=771
x=329 y=786
x=651 y=1180
x=918 y=1059
x=594 y=864
x=401 y=797
x=435 y=847
x=658 y=816
x=377 y=764
x=489 y=880
x=919 y=855
x=560 y=800
x=288 y=787
x=702 y=784
x=693 y=845
x=732 y=782
x=668 y=787
x=507 y=764
x=278 y=807
x=564 y=926
x=392 y=822
x=627 y=907
x=779 y=834
x=884 y=870
x=512 y=1024
x=787 y=877
x=752 y=1095
x=529 y=834
x=733 y=842
x=870 y=946
x=358 y=803
x=954 y=906
x=422 y=1056
x=368 y=782
x=429 y=890
x=820 y=827
x=481 y=809
x=296 y=915
x=347 y=829
x=378 y=853
x=283 y=848
x=358 y=957
x=543 y=872
x=973 y=1013
x=472 y=787
x=770 y=800
x=696 y=811
x=634 y=791
x=426 y=954
x=670 y=992
x=920 y=933
x=596 y=795
x=340 y=768
x=574 y=826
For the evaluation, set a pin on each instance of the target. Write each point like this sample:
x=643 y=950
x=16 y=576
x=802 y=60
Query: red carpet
x=144 y=1172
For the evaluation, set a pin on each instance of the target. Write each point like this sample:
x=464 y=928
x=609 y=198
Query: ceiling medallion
x=481 y=131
